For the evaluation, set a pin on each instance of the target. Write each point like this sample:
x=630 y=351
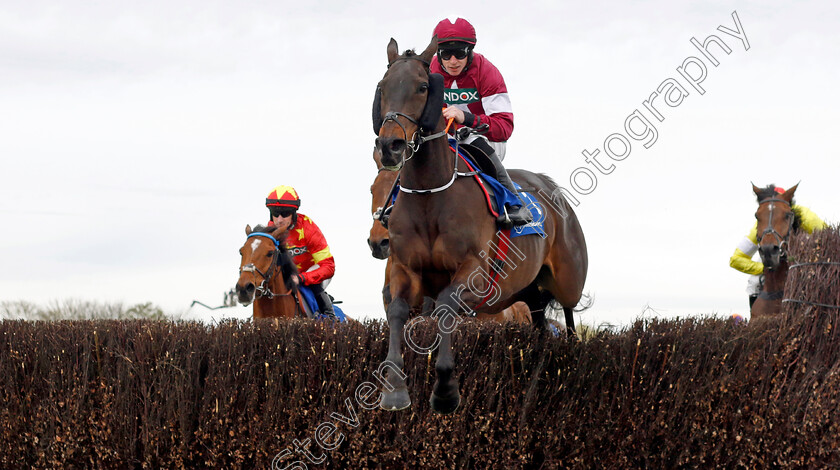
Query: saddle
x=311 y=305
x=494 y=192
x=479 y=157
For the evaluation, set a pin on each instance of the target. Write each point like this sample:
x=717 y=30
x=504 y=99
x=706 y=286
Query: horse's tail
x=586 y=302
x=554 y=309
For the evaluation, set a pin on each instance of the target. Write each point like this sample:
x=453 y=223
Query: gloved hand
x=463 y=132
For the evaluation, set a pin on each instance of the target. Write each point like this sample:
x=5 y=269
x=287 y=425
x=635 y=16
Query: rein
x=455 y=172
x=416 y=140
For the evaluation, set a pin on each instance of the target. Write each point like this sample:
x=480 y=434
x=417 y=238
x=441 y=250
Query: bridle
x=263 y=289
x=780 y=240
x=417 y=139
x=413 y=146
x=383 y=212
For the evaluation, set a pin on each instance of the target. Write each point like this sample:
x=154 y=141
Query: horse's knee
x=397 y=310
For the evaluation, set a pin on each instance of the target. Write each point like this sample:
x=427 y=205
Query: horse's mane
x=769 y=192
x=263 y=229
x=411 y=54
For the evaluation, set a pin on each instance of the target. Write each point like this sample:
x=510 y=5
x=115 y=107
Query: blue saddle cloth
x=501 y=193
x=503 y=196
x=313 y=305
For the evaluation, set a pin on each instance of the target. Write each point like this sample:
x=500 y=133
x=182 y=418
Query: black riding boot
x=323 y=300
x=516 y=215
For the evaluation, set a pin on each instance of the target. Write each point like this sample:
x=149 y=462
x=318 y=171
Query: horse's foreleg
x=445 y=396
x=395 y=393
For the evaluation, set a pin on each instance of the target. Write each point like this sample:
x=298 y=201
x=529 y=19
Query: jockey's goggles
x=281 y=211
x=460 y=54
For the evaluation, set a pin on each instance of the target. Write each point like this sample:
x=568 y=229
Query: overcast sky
x=137 y=139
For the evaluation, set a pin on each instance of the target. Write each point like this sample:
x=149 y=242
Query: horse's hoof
x=396 y=400
x=445 y=405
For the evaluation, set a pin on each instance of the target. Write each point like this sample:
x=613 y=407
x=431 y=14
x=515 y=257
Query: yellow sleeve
x=742 y=258
x=744 y=263
x=810 y=220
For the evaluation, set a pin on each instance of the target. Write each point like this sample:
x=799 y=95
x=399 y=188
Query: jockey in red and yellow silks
x=309 y=248
x=305 y=242
x=741 y=259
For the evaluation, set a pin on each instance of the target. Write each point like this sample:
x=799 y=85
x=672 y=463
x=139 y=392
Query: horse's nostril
x=397 y=146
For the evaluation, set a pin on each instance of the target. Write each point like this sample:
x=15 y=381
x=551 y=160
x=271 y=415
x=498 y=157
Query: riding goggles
x=281 y=211
x=460 y=54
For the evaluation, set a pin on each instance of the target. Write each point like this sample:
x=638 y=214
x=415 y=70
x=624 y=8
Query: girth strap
x=775 y=295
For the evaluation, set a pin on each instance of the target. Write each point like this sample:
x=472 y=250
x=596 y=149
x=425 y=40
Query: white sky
x=137 y=139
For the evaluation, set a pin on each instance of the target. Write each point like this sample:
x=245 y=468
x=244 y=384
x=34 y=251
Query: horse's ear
x=429 y=53
x=756 y=190
x=393 y=51
x=278 y=234
x=248 y=229
x=788 y=195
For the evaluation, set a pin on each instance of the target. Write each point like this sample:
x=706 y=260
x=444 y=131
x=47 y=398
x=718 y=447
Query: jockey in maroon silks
x=476 y=95
x=305 y=242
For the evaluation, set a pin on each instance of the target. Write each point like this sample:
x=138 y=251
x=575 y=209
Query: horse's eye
x=423 y=87
x=268 y=255
x=240 y=251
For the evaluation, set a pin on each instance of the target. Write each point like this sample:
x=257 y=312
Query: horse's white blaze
x=255 y=244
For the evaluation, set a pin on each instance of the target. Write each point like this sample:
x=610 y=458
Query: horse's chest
x=444 y=254
x=445 y=250
x=439 y=253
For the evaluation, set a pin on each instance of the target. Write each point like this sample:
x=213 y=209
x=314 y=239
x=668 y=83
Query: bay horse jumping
x=265 y=276
x=776 y=220
x=440 y=230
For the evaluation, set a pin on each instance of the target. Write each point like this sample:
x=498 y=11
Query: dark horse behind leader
x=442 y=235
x=776 y=221
x=265 y=276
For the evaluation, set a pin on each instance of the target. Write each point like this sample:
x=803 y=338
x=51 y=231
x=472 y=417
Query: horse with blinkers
x=440 y=229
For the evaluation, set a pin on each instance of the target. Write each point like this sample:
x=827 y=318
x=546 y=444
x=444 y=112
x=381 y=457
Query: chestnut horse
x=378 y=242
x=265 y=276
x=776 y=221
x=440 y=230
